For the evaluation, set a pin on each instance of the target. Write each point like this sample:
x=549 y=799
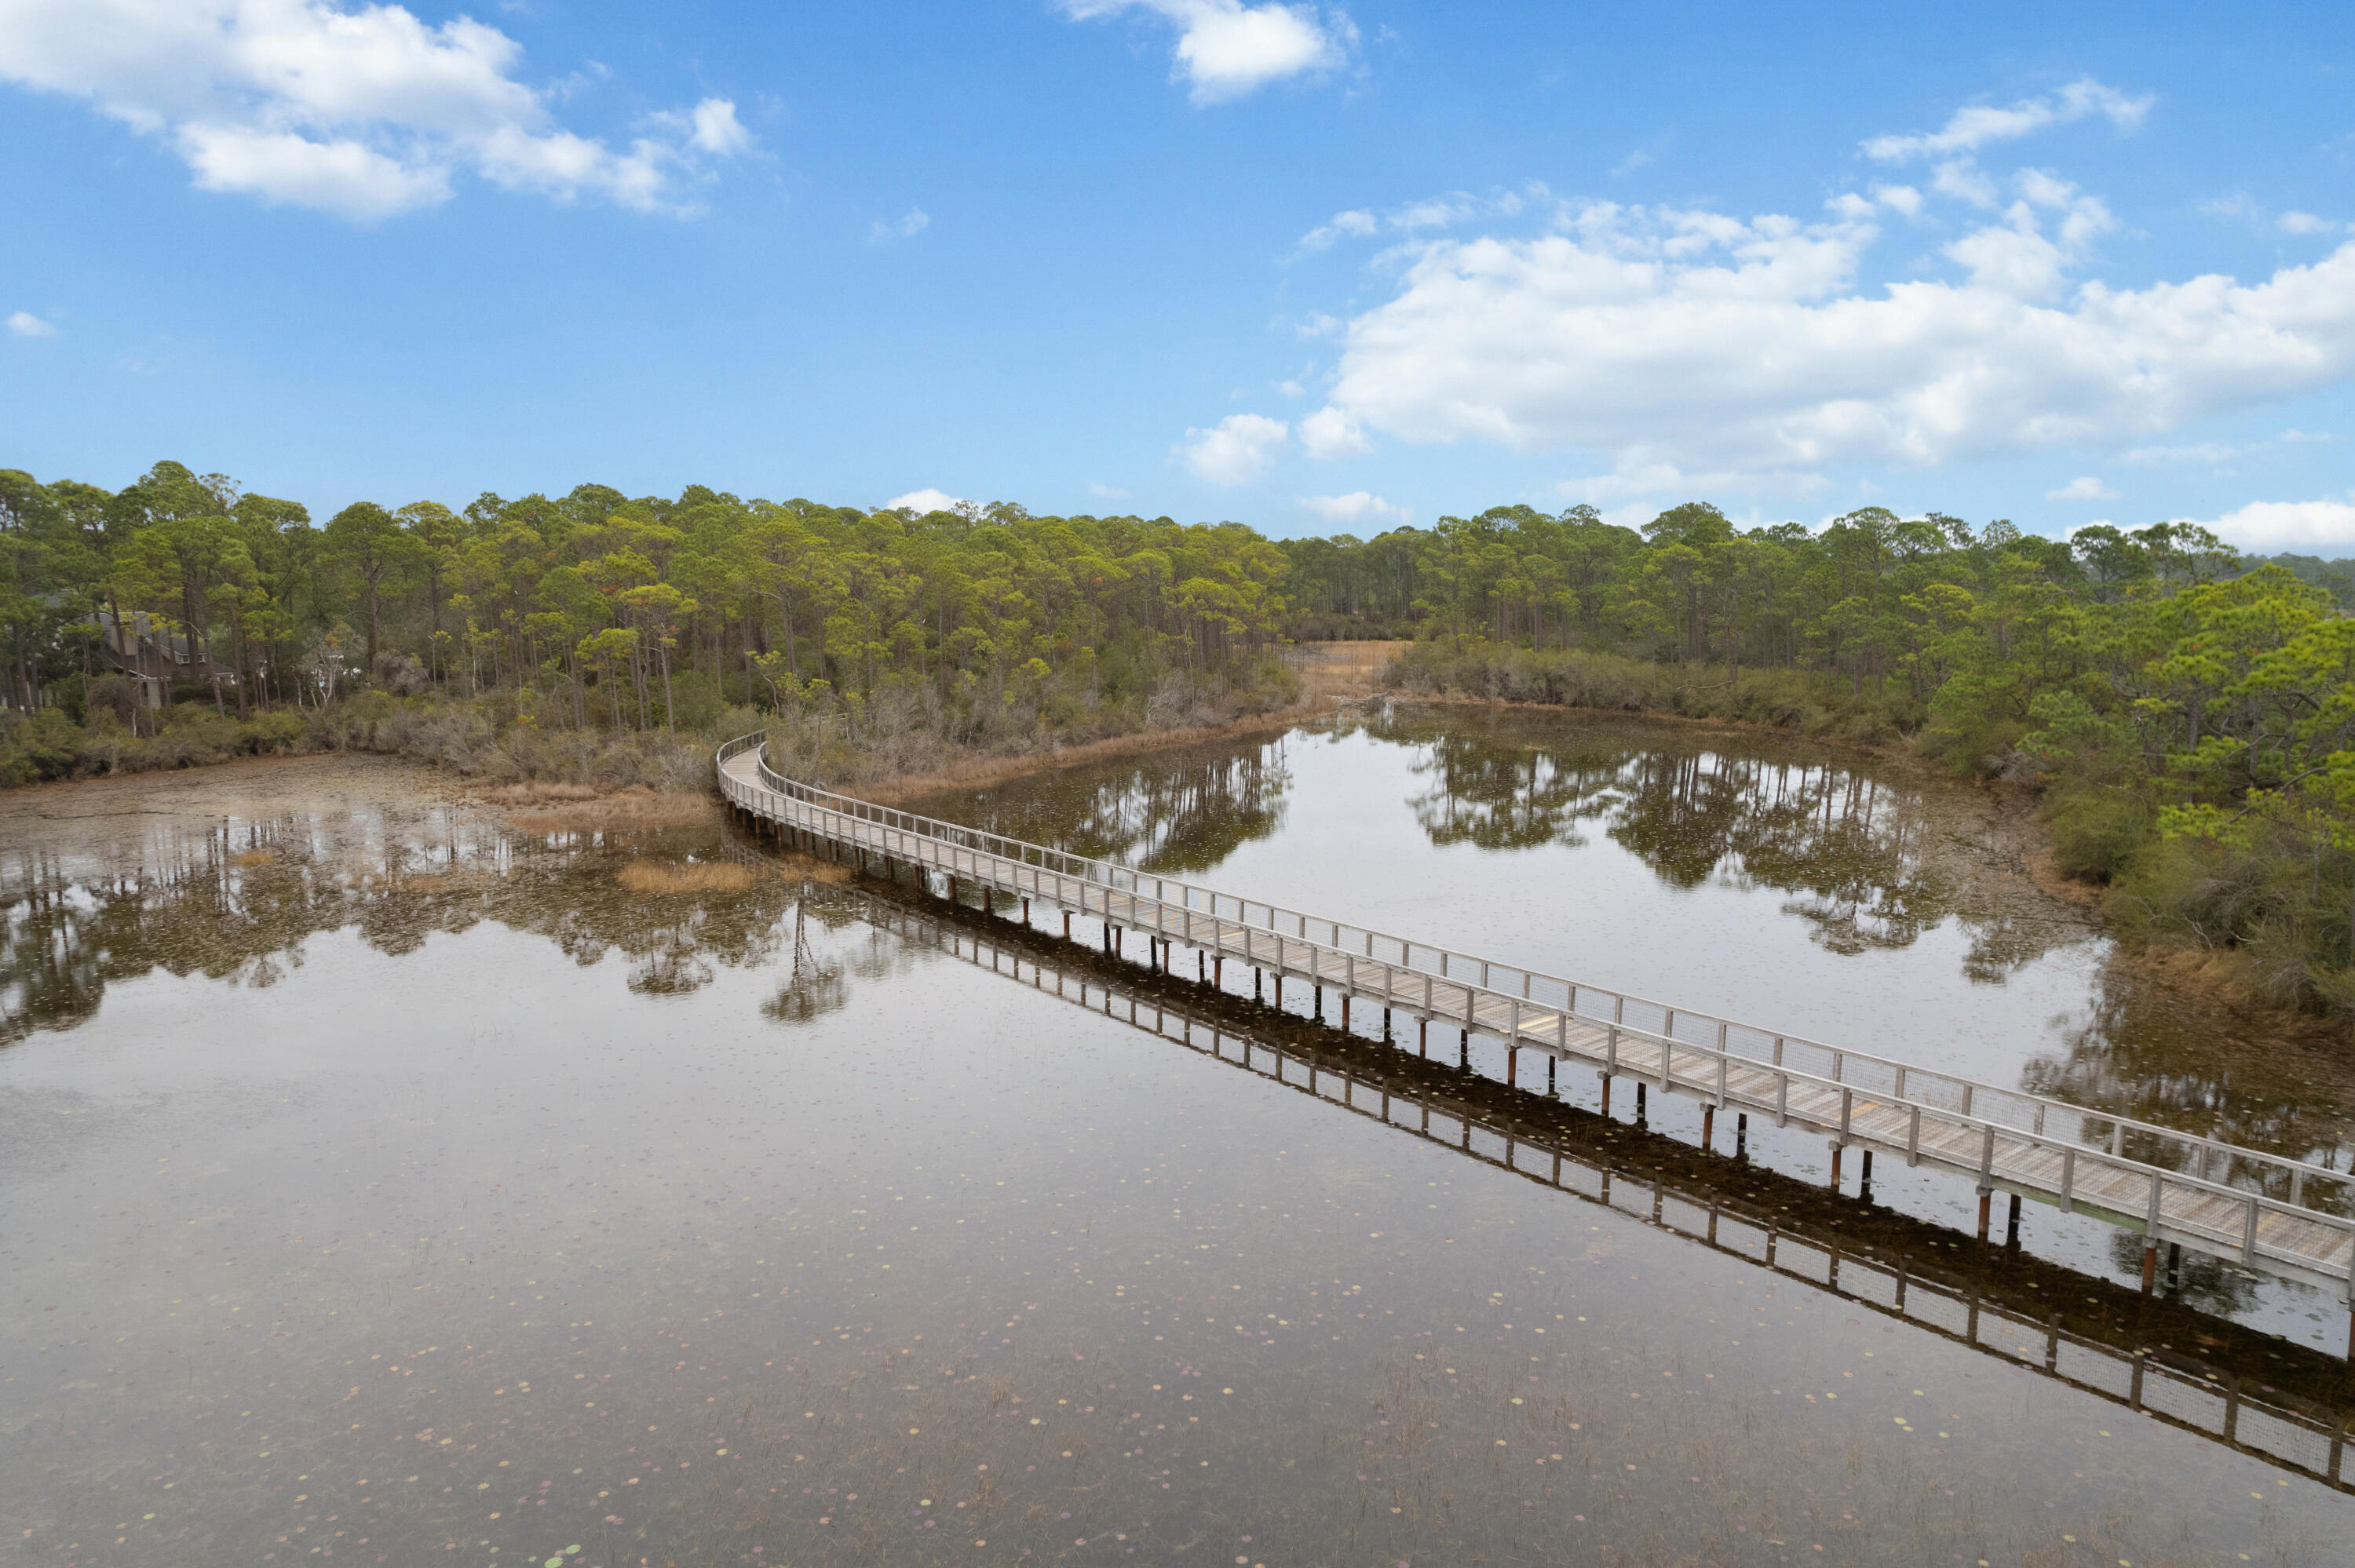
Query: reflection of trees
x=1500 y=797
x=205 y=905
x=814 y=987
x=2151 y=1055
x=1178 y=815
x=1846 y=842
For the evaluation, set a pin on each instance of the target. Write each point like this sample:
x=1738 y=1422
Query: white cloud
x=1235 y=451
x=914 y=222
x=1340 y=226
x=2198 y=451
x=717 y=129
x=1330 y=433
x=1107 y=493
x=25 y=323
x=1899 y=198
x=1725 y=344
x=1357 y=507
x=1968 y=129
x=2299 y=526
x=362 y=112
x=1443 y=211
x=2085 y=487
x=2303 y=223
x=1639 y=480
x=1227 y=48
x=921 y=501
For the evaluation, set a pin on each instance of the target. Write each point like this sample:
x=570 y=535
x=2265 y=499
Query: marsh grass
x=686 y=876
x=543 y=809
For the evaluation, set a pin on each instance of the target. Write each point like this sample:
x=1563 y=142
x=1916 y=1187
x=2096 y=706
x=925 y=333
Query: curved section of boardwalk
x=2283 y=1215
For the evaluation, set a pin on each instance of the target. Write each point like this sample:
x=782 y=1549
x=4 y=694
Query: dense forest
x=135 y=617
x=2188 y=714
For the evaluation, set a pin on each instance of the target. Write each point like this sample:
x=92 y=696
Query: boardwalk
x=2285 y=1216
x=2235 y=1405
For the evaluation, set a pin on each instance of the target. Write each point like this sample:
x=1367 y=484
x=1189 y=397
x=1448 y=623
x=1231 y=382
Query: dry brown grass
x=679 y=876
x=255 y=857
x=1328 y=672
x=534 y=792
x=587 y=811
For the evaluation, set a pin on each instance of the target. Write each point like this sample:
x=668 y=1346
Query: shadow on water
x=1872 y=858
x=2163 y=1355
x=457 y=1265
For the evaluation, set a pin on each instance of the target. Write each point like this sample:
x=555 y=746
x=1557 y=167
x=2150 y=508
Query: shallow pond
x=390 y=1182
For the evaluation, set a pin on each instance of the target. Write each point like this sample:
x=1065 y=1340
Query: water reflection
x=1847 y=842
x=472 y=1256
x=1925 y=935
x=238 y=903
x=814 y=986
x=1179 y=813
x=2024 y=1312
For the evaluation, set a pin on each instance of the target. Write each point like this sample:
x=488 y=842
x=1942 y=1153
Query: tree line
x=596 y=609
x=2188 y=712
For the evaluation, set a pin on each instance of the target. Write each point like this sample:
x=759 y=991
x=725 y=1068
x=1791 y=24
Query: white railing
x=2161 y=1181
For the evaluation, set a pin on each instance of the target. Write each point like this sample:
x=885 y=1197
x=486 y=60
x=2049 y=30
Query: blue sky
x=1308 y=267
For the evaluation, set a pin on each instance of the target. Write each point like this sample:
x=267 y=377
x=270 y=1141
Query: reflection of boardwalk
x=2183 y=1393
x=2284 y=1215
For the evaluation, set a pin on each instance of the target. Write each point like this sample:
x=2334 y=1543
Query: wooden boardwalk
x=2285 y=1216
x=2237 y=1408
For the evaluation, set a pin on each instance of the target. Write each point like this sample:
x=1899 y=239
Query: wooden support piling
x=1512 y=1066
x=1067 y=925
x=1987 y=1198
x=2012 y=1226
x=1708 y=1125
x=1836 y=1152
x=2150 y=1254
x=1606 y=1093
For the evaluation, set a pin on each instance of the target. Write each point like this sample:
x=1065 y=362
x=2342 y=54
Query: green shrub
x=2097 y=832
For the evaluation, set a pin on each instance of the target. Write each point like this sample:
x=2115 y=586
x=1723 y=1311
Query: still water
x=1821 y=893
x=389 y=1181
